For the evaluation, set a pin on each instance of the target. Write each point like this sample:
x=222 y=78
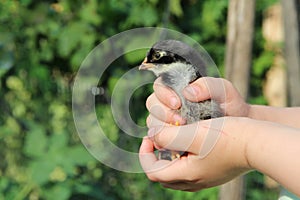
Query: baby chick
x=178 y=65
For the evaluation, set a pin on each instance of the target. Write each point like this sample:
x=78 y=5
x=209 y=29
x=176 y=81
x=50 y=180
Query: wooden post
x=291 y=14
x=241 y=14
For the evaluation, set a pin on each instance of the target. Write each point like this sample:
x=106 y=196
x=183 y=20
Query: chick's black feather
x=184 y=51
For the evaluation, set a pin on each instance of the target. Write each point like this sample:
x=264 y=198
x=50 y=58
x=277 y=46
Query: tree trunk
x=241 y=15
x=292 y=48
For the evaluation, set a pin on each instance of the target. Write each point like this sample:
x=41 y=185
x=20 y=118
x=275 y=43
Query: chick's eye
x=157 y=55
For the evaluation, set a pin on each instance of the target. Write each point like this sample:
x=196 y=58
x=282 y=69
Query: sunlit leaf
x=175 y=8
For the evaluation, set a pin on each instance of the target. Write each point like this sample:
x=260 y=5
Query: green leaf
x=46 y=52
x=4 y=183
x=135 y=57
x=106 y=121
x=14 y=83
x=59 y=191
x=58 y=141
x=89 y=12
x=175 y=8
x=263 y=62
x=40 y=73
x=40 y=170
x=70 y=38
x=86 y=45
x=35 y=141
x=142 y=15
x=79 y=155
x=25 y=2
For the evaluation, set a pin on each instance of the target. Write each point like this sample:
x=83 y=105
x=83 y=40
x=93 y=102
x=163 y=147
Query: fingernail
x=174 y=102
x=190 y=91
x=178 y=120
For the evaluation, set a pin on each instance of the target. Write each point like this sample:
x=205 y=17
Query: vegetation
x=42 y=44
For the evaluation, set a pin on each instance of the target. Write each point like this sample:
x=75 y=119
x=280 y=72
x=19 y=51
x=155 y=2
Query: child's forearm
x=286 y=116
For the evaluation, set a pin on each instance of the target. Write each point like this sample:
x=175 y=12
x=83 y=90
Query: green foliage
x=42 y=44
x=257 y=189
x=208 y=194
x=262 y=58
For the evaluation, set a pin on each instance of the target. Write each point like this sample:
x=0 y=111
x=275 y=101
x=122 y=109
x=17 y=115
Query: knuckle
x=159 y=138
x=163 y=139
x=151 y=177
x=190 y=178
x=148 y=121
x=157 y=84
x=149 y=101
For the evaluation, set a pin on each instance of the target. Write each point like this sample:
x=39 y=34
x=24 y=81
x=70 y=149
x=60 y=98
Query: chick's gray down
x=179 y=65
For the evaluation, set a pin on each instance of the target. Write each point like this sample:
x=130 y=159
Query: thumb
x=206 y=88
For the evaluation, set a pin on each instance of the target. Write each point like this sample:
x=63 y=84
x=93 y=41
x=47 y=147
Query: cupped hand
x=214 y=157
x=164 y=102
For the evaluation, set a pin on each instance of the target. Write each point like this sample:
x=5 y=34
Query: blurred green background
x=42 y=44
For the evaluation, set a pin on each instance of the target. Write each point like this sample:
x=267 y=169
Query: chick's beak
x=145 y=65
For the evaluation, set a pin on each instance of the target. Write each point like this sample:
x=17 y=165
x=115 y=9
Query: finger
x=165 y=171
x=163 y=112
x=153 y=167
x=146 y=154
x=152 y=121
x=179 y=138
x=206 y=88
x=166 y=95
x=158 y=124
x=184 y=186
x=198 y=138
x=176 y=185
